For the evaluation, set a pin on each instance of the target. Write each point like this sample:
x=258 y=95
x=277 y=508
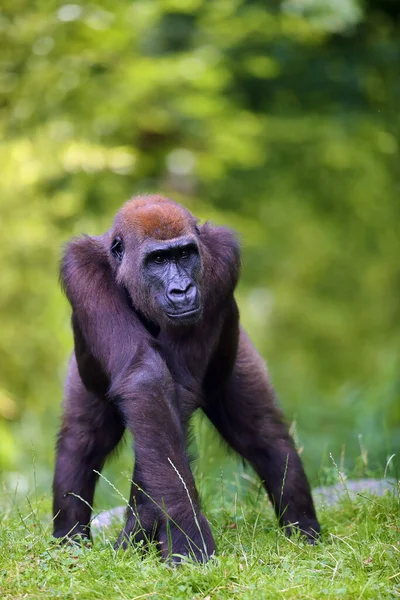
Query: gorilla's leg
x=91 y=428
x=246 y=415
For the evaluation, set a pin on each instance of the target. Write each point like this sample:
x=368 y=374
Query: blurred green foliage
x=279 y=119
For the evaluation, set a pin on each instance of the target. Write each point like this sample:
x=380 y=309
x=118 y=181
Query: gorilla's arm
x=101 y=310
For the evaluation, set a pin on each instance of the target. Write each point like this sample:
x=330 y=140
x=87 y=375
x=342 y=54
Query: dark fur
x=132 y=369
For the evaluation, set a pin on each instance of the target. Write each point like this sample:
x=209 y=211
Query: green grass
x=359 y=556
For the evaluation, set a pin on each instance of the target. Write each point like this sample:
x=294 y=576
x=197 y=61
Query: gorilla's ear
x=101 y=308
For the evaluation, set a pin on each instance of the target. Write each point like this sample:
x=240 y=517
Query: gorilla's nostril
x=181 y=290
x=176 y=292
x=190 y=292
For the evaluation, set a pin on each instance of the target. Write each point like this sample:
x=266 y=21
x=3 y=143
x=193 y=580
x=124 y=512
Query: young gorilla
x=157 y=335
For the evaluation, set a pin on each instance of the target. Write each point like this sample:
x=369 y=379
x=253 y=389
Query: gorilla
x=157 y=336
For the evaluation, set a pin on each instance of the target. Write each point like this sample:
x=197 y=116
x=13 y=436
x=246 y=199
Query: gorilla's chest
x=188 y=361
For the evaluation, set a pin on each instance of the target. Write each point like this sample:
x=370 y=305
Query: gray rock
x=114 y=516
x=330 y=495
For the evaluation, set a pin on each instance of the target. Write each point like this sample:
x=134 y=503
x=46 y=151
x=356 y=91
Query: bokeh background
x=279 y=119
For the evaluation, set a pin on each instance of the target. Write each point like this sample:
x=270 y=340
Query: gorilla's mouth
x=187 y=315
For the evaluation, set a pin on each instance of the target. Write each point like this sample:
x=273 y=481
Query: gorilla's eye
x=159 y=258
x=184 y=253
x=117 y=248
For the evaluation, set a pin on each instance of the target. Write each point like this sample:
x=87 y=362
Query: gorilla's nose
x=182 y=293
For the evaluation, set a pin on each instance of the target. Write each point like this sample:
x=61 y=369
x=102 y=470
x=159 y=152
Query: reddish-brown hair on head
x=157 y=217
